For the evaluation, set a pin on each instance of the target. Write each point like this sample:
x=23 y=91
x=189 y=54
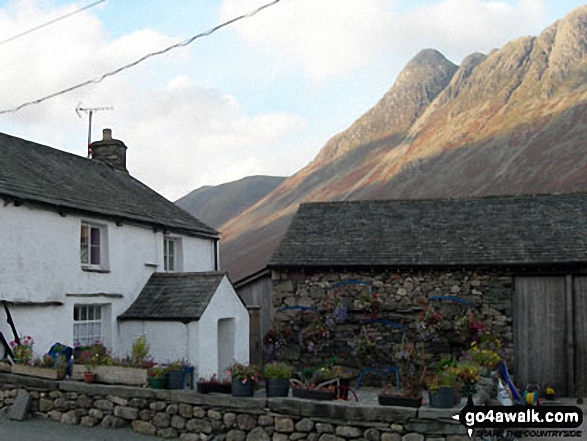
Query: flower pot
x=444 y=397
x=174 y=380
x=89 y=377
x=205 y=387
x=41 y=372
x=156 y=383
x=277 y=387
x=342 y=391
x=313 y=394
x=389 y=400
x=240 y=389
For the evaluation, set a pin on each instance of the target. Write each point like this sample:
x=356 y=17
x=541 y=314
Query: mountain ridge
x=509 y=122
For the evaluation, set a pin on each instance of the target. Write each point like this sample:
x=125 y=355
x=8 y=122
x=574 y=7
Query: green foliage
x=140 y=350
x=278 y=371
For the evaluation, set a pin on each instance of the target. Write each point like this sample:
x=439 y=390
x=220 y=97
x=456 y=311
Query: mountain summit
x=513 y=121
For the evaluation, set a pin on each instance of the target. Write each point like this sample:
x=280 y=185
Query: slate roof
x=32 y=172
x=515 y=230
x=174 y=296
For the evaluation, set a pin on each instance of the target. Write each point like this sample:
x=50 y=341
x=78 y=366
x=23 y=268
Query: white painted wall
x=168 y=341
x=210 y=349
x=225 y=304
x=40 y=262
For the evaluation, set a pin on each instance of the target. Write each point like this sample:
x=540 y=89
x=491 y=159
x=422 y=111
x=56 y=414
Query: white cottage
x=80 y=239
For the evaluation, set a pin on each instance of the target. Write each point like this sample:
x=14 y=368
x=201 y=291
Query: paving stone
x=21 y=407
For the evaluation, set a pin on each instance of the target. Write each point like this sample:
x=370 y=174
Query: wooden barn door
x=540 y=332
x=580 y=321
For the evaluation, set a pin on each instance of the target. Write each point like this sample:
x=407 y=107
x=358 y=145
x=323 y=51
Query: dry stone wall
x=403 y=294
x=190 y=416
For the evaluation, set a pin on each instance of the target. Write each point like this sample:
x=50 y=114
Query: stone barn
x=520 y=262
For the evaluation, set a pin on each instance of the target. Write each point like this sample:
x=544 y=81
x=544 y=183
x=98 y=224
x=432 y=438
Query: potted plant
x=410 y=359
x=23 y=351
x=468 y=374
x=156 y=376
x=177 y=374
x=277 y=376
x=244 y=378
x=483 y=357
x=319 y=384
x=214 y=384
x=442 y=387
x=90 y=358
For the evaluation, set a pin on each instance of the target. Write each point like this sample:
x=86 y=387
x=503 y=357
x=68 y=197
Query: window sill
x=95 y=270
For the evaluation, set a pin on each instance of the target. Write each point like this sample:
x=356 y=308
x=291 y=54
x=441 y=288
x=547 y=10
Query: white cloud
x=179 y=135
x=330 y=38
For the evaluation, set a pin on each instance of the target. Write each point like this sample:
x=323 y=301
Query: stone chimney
x=109 y=151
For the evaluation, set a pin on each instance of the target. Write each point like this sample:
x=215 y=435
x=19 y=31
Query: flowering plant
x=244 y=372
x=315 y=335
x=92 y=356
x=23 y=351
x=157 y=371
x=468 y=373
x=334 y=309
x=429 y=323
x=371 y=302
x=276 y=338
x=410 y=359
x=483 y=357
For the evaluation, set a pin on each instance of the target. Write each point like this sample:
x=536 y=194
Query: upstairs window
x=171 y=254
x=92 y=245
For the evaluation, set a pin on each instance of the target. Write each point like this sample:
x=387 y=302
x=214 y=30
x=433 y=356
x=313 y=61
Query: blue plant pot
x=240 y=389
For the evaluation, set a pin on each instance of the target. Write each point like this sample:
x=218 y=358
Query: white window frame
x=172 y=254
x=88 y=324
x=101 y=244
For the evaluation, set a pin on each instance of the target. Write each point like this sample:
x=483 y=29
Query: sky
x=260 y=96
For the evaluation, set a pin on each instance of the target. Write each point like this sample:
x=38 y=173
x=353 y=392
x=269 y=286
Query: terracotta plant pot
x=89 y=377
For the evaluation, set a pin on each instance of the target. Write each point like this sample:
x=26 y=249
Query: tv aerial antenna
x=90 y=111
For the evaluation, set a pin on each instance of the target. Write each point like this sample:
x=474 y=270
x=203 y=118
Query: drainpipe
x=216 y=256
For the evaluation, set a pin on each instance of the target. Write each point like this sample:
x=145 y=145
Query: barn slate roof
x=174 y=296
x=35 y=173
x=507 y=230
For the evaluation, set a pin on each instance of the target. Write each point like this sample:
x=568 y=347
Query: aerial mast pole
x=90 y=111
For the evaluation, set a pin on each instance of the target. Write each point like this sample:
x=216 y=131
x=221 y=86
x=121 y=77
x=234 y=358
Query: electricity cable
x=140 y=60
x=55 y=20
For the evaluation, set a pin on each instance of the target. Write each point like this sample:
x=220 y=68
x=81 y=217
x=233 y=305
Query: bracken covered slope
x=513 y=121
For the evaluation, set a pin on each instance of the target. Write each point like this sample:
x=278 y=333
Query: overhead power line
x=140 y=60
x=55 y=20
